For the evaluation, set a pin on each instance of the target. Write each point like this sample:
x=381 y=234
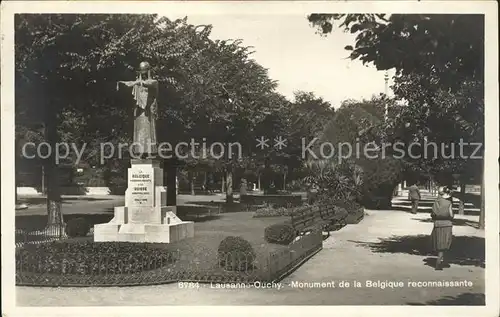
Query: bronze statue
x=145 y=92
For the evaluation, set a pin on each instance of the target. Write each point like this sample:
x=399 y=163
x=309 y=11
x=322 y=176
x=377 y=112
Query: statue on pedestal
x=146 y=216
x=145 y=92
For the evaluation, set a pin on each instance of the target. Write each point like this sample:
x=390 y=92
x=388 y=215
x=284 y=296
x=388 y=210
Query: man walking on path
x=414 y=195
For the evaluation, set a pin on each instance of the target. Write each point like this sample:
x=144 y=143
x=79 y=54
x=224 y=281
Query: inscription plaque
x=141 y=188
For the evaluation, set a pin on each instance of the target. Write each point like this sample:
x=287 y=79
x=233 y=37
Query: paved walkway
x=387 y=246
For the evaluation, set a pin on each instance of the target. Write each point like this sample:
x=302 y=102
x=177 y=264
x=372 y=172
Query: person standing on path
x=414 y=195
x=442 y=235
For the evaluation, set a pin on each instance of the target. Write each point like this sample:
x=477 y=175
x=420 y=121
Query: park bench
x=334 y=217
x=306 y=219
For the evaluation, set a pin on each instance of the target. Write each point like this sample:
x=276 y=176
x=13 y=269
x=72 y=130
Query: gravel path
x=387 y=246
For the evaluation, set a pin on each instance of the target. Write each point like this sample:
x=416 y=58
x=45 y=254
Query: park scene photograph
x=250 y=159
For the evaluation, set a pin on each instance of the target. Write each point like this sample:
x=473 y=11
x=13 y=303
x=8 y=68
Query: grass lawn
x=211 y=232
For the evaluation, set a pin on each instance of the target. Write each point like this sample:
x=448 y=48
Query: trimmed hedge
x=236 y=254
x=280 y=233
x=78 y=227
x=87 y=258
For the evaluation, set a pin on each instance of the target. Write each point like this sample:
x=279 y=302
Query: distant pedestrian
x=441 y=236
x=414 y=195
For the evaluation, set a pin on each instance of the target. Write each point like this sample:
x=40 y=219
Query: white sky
x=297 y=57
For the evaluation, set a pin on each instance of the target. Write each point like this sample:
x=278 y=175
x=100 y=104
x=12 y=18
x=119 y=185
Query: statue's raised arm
x=131 y=83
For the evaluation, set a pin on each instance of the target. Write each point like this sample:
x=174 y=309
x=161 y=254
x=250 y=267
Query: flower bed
x=91 y=258
x=121 y=264
x=278 y=200
x=269 y=211
x=194 y=259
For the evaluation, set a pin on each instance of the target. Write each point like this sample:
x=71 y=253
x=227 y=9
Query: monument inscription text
x=142 y=193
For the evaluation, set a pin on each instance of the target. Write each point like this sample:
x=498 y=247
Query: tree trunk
x=171 y=169
x=258 y=181
x=229 y=186
x=461 y=203
x=191 y=182
x=43 y=180
x=481 y=212
x=55 y=222
x=205 y=181
x=223 y=187
x=284 y=181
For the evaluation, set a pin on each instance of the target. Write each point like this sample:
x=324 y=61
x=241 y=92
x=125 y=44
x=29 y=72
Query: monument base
x=145 y=216
x=139 y=232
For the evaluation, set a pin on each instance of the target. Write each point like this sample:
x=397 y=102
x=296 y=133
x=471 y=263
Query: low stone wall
x=277 y=200
x=68 y=190
x=28 y=191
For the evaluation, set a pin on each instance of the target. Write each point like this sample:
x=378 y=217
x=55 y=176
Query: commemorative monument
x=145 y=216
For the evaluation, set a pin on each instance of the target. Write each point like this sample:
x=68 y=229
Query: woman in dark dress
x=441 y=236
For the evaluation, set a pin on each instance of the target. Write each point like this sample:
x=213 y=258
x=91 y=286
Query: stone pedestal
x=146 y=217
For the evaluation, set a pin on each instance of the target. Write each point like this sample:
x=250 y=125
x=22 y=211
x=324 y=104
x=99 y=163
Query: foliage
x=77 y=227
x=445 y=118
x=361 y=168
x=439 y=63
x=448 y=47
x=380 y=178
x=90 y=258
x=236 y=254
x=349 y=206
x=280 y=233
x=338 y=182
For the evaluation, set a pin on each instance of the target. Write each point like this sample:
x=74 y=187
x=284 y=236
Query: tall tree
x=69 y=61
x=435 y=56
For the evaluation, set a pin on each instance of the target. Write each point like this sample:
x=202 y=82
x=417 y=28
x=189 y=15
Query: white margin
x=492 y=280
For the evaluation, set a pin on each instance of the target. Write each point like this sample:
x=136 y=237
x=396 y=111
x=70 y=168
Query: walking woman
x=442 y=214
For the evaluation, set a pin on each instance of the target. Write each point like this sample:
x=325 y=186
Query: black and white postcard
x=239 y=158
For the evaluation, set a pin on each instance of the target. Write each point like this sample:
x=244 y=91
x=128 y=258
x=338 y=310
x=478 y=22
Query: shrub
x=280 y=233
x=91 y=258
x=355 y=211
x=381 y=176
x=31 y=223
x=236 y=254
x=335 y=182
x=349 y=205
x=77 y=227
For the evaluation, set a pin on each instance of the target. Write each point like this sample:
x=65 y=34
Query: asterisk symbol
x=262 y=142
x=279 y=142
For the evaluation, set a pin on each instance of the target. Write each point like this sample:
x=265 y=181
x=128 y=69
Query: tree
x=449 y=47
x=224 y=95
x=356 y=136
x=68 y=61
x=435 y=57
